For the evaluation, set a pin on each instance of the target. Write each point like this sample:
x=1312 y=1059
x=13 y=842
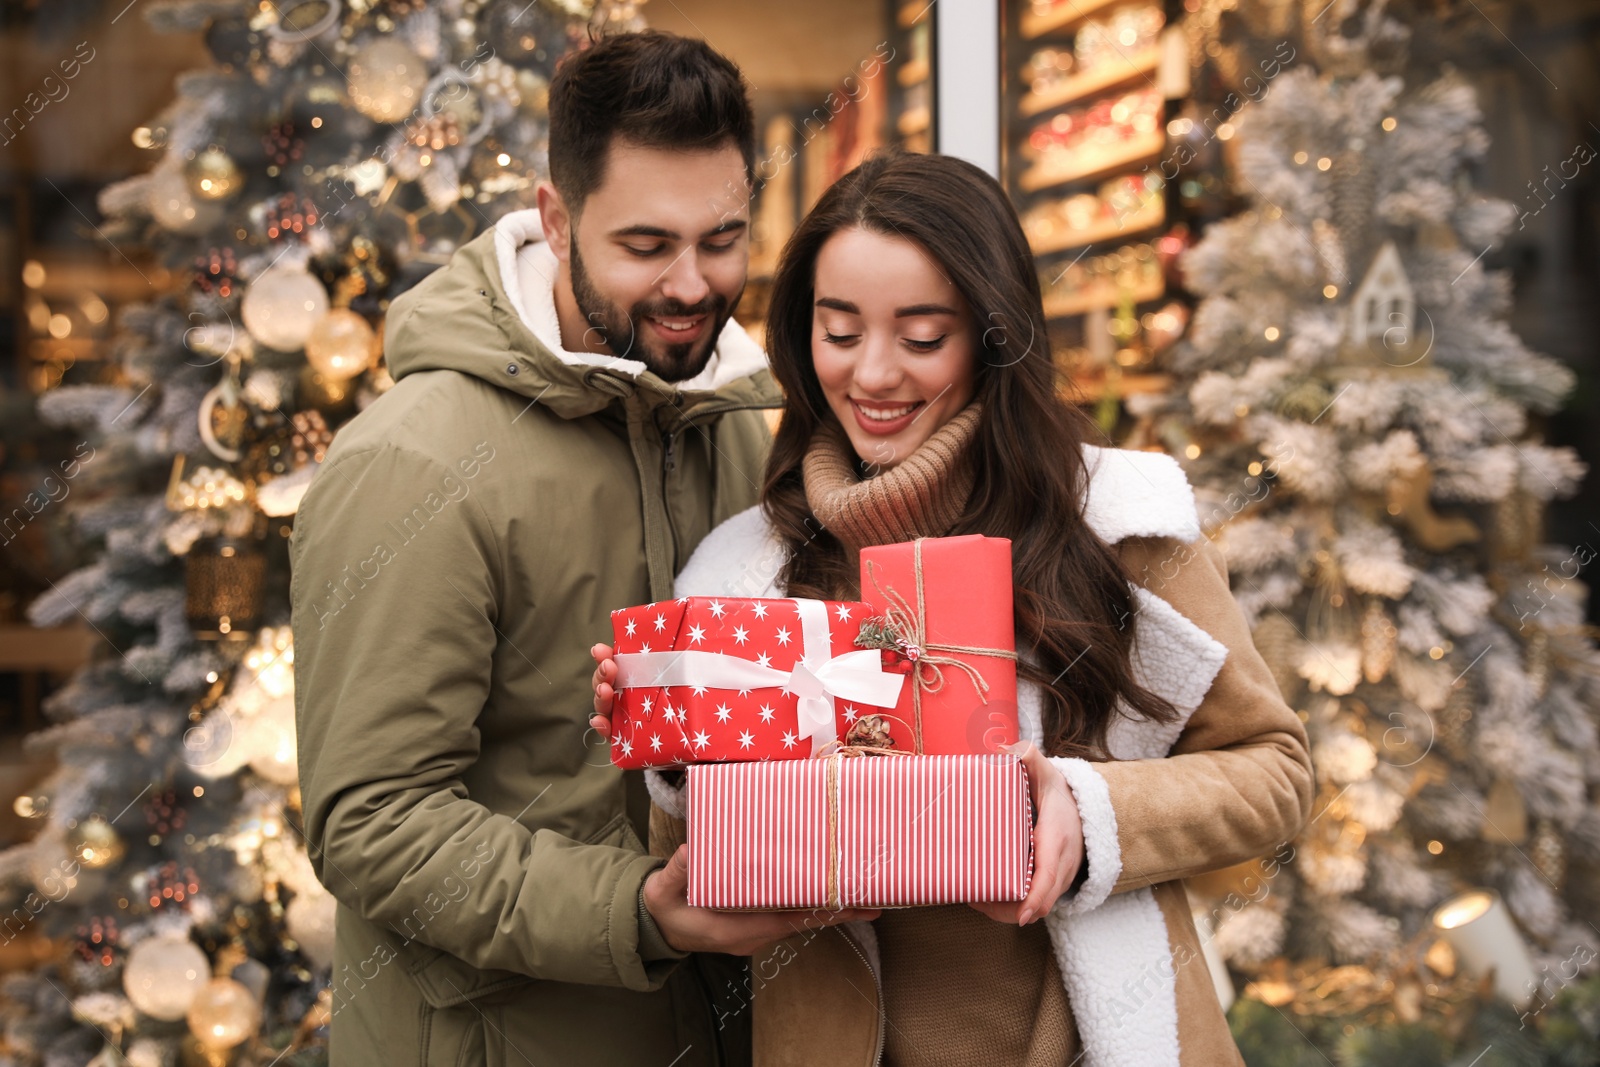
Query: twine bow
x=927 y=665
x=835 y=751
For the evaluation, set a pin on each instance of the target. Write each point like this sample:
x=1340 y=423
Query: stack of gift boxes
x=840 y=754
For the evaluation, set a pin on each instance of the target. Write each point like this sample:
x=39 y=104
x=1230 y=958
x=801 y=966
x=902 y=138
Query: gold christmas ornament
x=1453 y=719
x=1379 y=641
x=1549 y=853
x=1305 y=401
x=1505 y=815
x=331 y=396
x=1518 y=526
x=1277 y=641
x=1408 y=500
x=386 y=80
x=226 y=587
x=340 y=346
x=224 y=1014
x=174 y=205
x=1537 y=661
x=213 y=175
x=95 y=843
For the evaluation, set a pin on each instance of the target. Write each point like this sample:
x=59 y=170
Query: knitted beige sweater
x=941 y=965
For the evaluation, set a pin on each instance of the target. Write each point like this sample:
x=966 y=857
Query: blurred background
x=1338 y=256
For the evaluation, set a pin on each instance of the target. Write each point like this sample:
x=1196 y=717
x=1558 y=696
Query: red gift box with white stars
x=713 y=679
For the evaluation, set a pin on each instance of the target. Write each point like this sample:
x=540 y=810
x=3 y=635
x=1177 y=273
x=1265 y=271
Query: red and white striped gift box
x=863 y=831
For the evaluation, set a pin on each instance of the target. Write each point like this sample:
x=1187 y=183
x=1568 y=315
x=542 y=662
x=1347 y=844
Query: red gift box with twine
x=942 y=608
x=853 y=829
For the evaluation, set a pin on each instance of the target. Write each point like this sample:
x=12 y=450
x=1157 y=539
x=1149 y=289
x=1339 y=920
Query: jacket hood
x=491 y=313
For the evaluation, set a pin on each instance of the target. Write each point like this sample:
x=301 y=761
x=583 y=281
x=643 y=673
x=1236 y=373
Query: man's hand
x=1057 y=844
x=737 y=933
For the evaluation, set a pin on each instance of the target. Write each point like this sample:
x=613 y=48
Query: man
x=573 y=411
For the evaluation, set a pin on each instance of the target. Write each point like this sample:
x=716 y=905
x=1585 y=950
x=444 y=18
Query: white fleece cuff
x=669 y=798
x=1101 y=848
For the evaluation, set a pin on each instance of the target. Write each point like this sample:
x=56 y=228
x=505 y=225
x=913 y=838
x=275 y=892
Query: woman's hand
x=1057 y=844
x=604 y=674
x=737 y=933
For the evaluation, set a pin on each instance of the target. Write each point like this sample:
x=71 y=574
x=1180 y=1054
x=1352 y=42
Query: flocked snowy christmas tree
x=336 y=152
x=1361 y=425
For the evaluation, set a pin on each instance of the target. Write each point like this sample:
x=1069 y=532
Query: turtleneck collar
x=922 y=496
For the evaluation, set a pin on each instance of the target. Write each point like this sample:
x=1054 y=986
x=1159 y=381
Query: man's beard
x=621 y=332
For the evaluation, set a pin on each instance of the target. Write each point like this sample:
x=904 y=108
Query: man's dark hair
x=652 y=89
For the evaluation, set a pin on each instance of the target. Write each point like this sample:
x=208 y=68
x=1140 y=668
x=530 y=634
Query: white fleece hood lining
x=528 y=269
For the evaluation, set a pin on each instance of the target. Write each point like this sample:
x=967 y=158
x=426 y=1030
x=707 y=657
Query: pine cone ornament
x=1379 y=640
x=1548 y=852
x=311 y=437
x=217 y=272
x=1453 y=720
x=98 y=940
x=163 y=815
x=282 y=145
x=870 y=731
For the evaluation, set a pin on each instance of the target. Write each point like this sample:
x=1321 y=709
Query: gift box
x=943 y=607
x=703 y=679
x=859 y=831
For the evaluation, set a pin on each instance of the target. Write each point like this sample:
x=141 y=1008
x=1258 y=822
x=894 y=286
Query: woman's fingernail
x=1023 y=916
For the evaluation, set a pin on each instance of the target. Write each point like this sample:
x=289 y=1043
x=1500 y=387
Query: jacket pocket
x=618 y=833
x=454 y=1037
x=446 y=981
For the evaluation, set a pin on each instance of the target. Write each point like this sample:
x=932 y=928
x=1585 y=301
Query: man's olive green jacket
x=453 y=561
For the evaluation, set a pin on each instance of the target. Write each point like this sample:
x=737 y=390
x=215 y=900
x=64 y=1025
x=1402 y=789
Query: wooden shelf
x=914 y=122
x=1082 y=167
x=1065 y=14
x=1125 y=67
x=1094 y=387
x=913 y=72
x=62 y=648
x=1110 y=230
x=1103 y=295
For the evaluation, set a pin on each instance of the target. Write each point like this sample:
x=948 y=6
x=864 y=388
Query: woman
x=907 y=330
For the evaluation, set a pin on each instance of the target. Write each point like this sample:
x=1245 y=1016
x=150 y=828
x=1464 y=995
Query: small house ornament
x=1382 y=319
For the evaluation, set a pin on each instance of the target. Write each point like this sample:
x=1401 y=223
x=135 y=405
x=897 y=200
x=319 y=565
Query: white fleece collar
x=528 y=269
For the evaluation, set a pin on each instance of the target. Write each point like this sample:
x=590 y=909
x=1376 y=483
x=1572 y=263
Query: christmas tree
x=1361 y=426
x=337 y=152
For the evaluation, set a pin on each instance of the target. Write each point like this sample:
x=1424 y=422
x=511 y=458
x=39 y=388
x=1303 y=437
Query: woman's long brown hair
x=1072 y=599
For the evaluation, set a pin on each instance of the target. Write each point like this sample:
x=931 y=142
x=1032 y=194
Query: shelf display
x=1120 y=207
x=1102 y=281
x=912 y=96
x=1105 y=51
x=1087 y=141
x=811 y=139
x=1090 y=88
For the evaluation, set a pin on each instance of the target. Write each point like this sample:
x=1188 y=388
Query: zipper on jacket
x=670 y=451
x=669 y=465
